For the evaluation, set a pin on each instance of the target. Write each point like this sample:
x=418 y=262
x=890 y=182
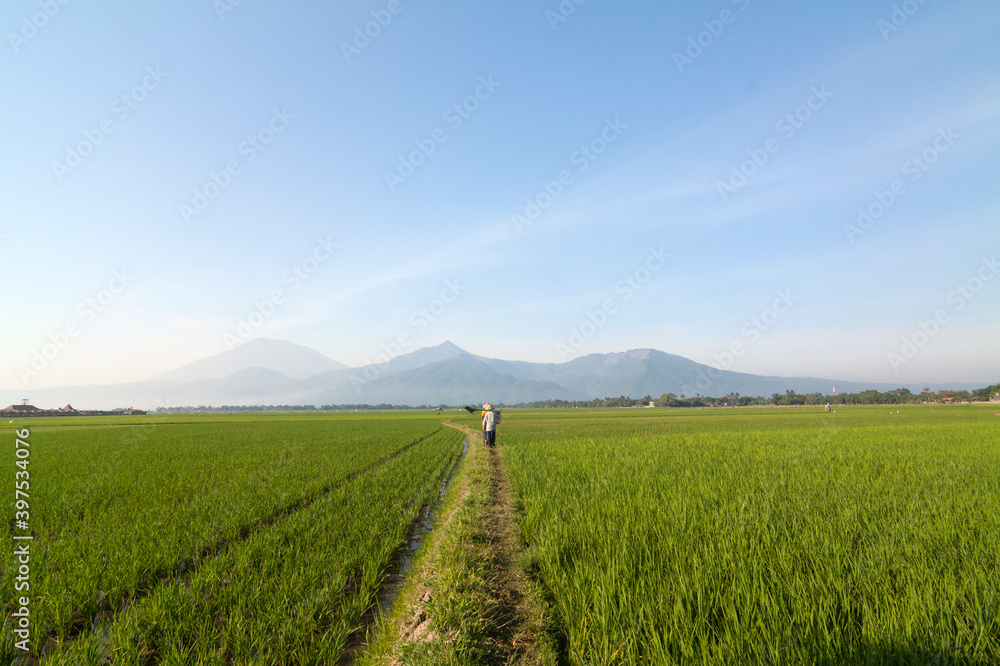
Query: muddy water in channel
x=399 y=568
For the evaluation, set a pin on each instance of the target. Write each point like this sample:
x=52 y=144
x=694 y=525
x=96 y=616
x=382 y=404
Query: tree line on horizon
x=900 y=396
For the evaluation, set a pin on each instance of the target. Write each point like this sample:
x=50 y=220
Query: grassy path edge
x=468 y=600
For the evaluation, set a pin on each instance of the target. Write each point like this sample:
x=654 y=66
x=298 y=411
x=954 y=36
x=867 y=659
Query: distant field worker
x=490 y=421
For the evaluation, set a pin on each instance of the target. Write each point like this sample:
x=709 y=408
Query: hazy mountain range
x=274 y=372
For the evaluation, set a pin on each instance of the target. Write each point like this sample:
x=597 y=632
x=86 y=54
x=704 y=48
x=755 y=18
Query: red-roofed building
x=20 y=409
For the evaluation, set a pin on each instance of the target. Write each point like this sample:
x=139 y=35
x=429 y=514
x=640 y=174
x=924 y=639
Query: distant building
x=20 y=409
x=68 y=409
x=133 y=411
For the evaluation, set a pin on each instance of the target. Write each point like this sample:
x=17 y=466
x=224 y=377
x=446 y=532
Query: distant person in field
x=490 y=421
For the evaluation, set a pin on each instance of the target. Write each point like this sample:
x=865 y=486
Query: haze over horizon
x=265 y=371
x=776 y=189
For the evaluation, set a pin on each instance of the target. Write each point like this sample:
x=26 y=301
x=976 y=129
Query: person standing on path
x=490 y=421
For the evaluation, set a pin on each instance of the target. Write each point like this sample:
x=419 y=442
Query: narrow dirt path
x=469 y=601
x=511 y=633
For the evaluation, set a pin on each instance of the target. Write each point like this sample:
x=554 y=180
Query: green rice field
x=771 y=536
x=217 y=540
x=656 y=536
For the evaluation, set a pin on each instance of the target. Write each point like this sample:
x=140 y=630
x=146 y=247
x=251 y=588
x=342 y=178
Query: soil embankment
x=469 y=599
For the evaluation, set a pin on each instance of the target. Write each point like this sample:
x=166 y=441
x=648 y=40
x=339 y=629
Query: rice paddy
x=218 y=540
x=767 y=536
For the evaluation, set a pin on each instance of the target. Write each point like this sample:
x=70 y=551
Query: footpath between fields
x=468 y=599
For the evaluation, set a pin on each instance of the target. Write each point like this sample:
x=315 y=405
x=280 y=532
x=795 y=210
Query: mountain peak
x=288 y=358
x=450 y=346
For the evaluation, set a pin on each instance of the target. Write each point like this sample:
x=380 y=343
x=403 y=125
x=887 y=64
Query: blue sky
x=182 y=177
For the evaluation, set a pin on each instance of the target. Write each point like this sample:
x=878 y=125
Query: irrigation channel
x=400 y=566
